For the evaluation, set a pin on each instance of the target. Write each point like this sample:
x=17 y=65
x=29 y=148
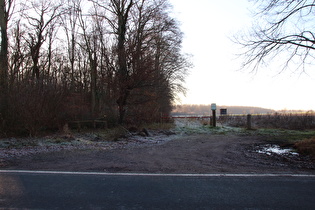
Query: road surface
x=66 y=190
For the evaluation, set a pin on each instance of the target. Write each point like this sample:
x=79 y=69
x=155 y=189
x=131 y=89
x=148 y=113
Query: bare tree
x=118 y=21
x=149 y=66
x=5 y=9
x=121 y=9
x=158 y=65
x=90 y=46
x=40 y=21
x=283 y=29
x=70 y=24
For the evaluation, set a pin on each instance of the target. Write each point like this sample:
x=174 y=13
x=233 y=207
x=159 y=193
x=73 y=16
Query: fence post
x=249 y=121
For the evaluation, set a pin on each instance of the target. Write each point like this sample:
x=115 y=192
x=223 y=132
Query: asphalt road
x=28 y=190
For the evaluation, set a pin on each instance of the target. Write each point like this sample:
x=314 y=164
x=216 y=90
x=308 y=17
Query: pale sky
x=208 y=26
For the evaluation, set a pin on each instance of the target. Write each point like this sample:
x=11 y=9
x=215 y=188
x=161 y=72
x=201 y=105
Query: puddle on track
x=270 y=149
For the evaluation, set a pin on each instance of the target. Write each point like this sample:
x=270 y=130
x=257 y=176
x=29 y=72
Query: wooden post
x=214 y=120
x=249 y=121
x=213 y=108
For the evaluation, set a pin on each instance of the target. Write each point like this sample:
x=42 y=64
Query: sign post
x=214 y=108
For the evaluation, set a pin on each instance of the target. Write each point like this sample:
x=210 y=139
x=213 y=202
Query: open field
x=296 y=121
x=292 y=121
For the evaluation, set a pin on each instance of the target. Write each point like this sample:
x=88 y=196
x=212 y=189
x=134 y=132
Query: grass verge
x=282 y=135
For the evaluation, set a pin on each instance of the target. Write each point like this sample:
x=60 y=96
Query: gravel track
x=183 y=152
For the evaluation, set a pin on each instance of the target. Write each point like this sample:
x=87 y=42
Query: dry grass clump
x=306 y=147
x=159 y=126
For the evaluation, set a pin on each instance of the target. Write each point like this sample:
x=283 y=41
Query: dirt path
x=198 y=153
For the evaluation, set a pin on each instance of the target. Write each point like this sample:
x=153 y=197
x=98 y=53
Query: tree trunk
x=93 y=84
x=123 y=77
x=3 y=60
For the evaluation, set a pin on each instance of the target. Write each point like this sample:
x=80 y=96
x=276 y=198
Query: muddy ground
x=163 y=153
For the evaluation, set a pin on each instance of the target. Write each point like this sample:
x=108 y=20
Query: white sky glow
x=208 y=26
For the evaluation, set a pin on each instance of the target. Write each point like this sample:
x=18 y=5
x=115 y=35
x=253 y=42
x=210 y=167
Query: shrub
x=306 y=147
x=33 y=107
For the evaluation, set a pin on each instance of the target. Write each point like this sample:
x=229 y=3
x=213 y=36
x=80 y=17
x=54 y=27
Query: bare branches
x=287 y=31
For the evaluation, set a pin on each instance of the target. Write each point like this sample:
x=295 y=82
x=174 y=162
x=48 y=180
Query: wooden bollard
x=249 y=121
x=214 y=120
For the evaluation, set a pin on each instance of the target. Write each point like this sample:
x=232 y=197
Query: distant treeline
x=194 y=109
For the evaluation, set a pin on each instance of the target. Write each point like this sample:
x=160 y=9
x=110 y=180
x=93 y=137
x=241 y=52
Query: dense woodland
x=66 y=60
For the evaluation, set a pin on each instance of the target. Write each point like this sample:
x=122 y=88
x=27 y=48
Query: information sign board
x=213 y=106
